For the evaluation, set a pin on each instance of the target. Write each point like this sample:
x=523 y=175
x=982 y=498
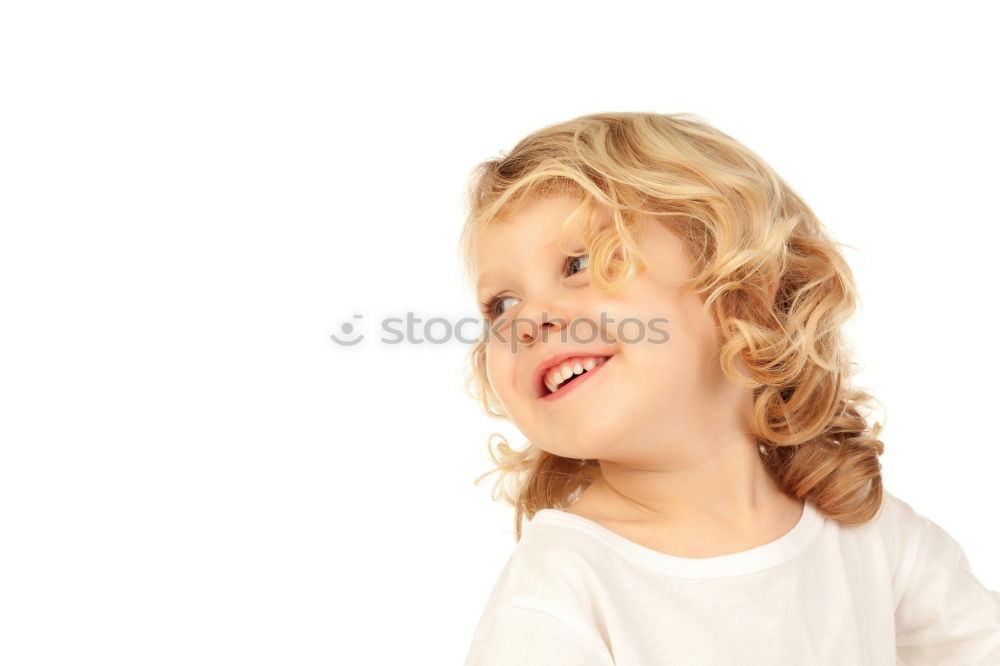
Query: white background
x=195 y=195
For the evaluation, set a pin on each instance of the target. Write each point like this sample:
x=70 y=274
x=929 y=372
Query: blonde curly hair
x=764 y=266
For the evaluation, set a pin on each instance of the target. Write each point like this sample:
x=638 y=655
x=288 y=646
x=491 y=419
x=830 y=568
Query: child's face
x=649 y=394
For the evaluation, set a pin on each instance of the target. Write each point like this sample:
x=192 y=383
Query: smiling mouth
x=574 y=381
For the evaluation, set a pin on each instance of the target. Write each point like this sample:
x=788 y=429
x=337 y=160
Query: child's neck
x=691 y=531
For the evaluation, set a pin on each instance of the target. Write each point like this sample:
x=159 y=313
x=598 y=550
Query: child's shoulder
x=894 y=513
x=912 y=540
x=554 y=563
x=550 y=555
x=896 y=524
x=898 y=521
x=550 y=571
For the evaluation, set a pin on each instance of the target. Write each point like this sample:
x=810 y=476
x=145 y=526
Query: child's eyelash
x=488 y=307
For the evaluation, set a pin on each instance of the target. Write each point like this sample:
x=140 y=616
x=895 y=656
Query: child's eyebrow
x=485 y=280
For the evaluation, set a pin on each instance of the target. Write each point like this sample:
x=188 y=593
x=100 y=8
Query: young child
x=664 y=322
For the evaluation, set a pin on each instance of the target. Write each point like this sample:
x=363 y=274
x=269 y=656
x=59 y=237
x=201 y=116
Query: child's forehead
x=546 y=209
x=501 y=242
x=537 y=233
x=541 y=225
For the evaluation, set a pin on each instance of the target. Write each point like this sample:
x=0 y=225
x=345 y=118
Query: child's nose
x=539 y=325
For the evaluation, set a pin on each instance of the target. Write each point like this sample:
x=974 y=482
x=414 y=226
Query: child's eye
x=490 y=305
x=583 y=257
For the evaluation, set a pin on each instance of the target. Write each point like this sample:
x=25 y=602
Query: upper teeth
x=574 y=366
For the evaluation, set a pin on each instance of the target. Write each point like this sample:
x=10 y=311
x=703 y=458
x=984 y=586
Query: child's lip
x=540 y=389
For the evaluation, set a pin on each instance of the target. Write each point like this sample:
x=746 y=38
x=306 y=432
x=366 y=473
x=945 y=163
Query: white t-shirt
x=896 y=590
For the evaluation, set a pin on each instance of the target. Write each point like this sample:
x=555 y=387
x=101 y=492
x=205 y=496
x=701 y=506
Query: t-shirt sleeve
x=525 y=636
x=945 y=616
